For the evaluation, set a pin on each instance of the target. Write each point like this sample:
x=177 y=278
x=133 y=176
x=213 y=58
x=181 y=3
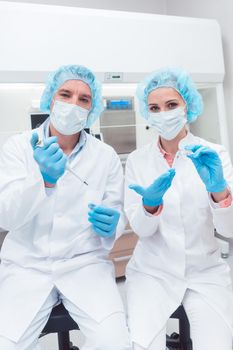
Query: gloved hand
x=50 y=158
x=152 y=196
x=209 y=167
x=104 y=220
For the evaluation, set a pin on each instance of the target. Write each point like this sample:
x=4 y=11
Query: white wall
x=222 y=11
x=116 y=36
x=149 y=6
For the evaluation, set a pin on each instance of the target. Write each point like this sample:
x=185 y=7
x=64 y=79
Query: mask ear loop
x=52 y=101
x=187 y=127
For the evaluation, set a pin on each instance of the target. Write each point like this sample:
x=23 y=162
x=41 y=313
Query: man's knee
x=7 y=344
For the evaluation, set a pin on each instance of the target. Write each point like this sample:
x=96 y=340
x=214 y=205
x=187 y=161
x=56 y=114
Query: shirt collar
x=189 y=139
x=164 y=153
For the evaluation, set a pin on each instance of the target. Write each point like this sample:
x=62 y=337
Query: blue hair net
x=177 y=79
x=73 y=72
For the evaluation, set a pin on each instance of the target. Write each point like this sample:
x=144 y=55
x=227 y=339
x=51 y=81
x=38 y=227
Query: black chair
x=61 y=323
x=181 y=341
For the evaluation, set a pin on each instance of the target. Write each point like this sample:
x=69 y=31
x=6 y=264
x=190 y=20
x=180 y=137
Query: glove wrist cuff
x=48 y=179
x=152 y=203
x=220 y=187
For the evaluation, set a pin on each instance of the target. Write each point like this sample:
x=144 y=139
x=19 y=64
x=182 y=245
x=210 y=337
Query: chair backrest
x=182 y=340
x=3 y=234
x=2 y=237
x=59 y=321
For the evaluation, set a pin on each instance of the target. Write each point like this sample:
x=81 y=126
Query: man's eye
x=85 y=100
x=64 y=95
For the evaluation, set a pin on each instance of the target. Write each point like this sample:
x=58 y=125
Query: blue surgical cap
x=177 y=79
x=73 y=72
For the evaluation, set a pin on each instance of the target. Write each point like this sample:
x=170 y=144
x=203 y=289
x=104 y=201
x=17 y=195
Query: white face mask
x=68 y=119
x=169 y=123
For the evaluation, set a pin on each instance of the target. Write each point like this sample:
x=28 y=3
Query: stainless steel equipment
x=117 y=124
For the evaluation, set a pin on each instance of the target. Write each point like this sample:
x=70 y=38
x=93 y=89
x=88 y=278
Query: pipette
x=76 y=175
x=40 y=144
x=184 y=152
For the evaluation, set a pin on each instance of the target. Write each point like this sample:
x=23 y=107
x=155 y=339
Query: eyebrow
x=64 y=90
x=86 y=95
x=173 y=100
x=69 y=91
x=156 y=104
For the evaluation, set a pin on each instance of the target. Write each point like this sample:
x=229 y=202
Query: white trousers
x=111 y=333
x=208 y=329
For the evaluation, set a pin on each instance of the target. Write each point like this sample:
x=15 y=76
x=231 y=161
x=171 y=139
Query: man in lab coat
x=61 y=201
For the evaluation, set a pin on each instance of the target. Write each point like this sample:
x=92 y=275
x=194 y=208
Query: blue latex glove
x=104 y=220
x=152 y=196
x=50 y=158
x=209 y=167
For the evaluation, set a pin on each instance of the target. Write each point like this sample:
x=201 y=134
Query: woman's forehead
x=163 y=94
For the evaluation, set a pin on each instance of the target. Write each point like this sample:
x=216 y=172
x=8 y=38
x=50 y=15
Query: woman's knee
x=114 y=343
x=208 y=329
x=158 y=343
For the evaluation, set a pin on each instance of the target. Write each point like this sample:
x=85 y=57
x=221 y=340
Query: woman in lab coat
x=61 y=223
x=178 y=189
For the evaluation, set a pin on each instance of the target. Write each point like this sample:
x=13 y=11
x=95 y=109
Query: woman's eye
x=154 y=109
x=172 y=105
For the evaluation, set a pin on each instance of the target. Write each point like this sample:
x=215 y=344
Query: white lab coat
x=50 y=241
x=176 y=249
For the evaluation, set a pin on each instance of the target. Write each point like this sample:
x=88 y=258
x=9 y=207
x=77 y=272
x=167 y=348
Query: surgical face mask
x=169 y=123
x=68 y=119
